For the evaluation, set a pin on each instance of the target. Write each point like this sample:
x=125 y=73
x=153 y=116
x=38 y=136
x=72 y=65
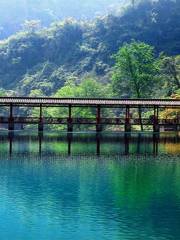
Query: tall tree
x=135 y=71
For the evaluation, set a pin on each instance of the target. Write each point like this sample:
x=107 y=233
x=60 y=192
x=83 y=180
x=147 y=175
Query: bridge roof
x=88 y=101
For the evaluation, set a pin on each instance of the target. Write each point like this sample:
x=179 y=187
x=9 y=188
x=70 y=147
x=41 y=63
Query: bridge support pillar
x=11 y=119
x=40 y=138
x=127 y=120
x=10 y=139
x=98 y=128
x=69 y=139
x=98 y=144
x=155 y=143
x=156 y=126
x=127 y=137
x=98 y=119
x=70 y=127
x=40 y=125
x=69 y=120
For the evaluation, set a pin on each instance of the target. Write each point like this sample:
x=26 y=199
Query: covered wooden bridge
x=126 y=105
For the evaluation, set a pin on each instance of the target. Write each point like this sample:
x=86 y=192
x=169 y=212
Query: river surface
x=84 y=186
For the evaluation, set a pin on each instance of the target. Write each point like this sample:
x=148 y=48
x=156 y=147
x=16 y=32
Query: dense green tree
x=89 y=87
x=135 y=71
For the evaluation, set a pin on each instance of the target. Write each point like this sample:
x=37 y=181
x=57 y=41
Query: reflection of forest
x=172 y=148
x=89 y=144
x=109 y=193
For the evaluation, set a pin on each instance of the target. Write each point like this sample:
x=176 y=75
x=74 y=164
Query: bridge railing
x=18 y=101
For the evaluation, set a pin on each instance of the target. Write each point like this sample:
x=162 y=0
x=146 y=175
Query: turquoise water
x=89 y=187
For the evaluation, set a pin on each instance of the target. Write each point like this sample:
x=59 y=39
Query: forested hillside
x=41 y=62
x=14 y=12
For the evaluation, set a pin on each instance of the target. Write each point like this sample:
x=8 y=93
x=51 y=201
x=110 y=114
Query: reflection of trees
x=149 y=189
x=136 y=181
x=65 y=190
x=89 y=144
x=172 y=148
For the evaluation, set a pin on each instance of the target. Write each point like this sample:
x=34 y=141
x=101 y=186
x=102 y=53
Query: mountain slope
x=14 y=12
x=71 y=49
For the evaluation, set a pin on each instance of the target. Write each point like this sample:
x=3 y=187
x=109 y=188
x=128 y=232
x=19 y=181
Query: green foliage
x=170 y=70
x=36 y=93
x=135 y=70
x=64 y=44
x=45 y=60
x=2 y=92
x=89 y=87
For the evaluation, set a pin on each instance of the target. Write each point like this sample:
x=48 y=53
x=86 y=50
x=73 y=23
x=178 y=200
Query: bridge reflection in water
x=12 y=144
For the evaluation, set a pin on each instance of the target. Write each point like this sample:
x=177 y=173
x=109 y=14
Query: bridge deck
x=88 y=102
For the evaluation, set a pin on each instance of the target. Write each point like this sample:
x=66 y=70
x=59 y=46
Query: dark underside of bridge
x=125 y=107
